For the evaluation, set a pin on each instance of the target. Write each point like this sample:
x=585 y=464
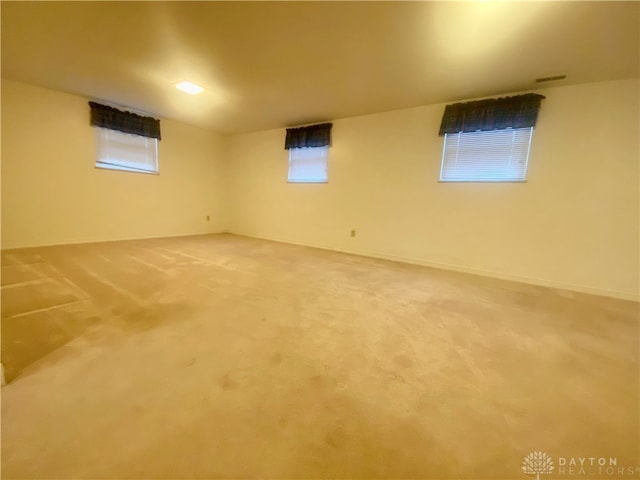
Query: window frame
x=101 y=140
x=525 y=170
x=325 y=158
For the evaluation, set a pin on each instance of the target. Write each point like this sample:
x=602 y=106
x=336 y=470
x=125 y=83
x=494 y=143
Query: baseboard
x=395 y=258
x=122 y=239
x=464 y=269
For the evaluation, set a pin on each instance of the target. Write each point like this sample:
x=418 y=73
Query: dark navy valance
x=311 y=136
x=108 y=117
x=491 y=114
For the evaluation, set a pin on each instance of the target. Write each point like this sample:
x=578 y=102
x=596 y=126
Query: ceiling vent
x=550 y=79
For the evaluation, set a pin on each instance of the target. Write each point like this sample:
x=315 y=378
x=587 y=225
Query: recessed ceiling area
x=275 y=64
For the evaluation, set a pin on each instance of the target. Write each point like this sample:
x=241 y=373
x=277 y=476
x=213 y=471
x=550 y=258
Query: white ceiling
x=275 y=64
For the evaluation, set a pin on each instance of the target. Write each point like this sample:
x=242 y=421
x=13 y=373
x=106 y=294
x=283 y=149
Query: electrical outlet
x=353 y=233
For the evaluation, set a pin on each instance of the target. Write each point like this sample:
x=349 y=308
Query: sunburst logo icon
x=537 y=463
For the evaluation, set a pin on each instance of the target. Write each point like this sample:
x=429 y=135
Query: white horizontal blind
x=124 y=151
x=491 y=156
x=308 y=164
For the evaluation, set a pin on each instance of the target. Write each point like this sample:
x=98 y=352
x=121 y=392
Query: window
x=488 y=140
x=486 y=156
x=125 y=140
x=308 y=151
x=308 y=164
x=126 y=151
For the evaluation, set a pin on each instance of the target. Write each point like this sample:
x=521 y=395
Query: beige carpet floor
x=225 y=356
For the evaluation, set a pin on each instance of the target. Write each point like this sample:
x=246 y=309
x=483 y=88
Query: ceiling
x=275 y=64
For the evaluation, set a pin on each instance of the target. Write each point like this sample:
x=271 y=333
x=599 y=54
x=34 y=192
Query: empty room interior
x=320 y=240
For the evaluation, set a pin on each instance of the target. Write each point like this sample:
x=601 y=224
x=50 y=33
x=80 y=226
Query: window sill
x=482 y=181
x=307 y=181
x=124 y=169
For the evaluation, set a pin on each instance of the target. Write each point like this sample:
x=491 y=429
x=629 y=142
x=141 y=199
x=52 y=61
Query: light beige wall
x=52 y=193
x=574 y=224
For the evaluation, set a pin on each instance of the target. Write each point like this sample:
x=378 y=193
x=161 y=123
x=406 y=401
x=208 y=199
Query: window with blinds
x=126 y=151
x=308 y=164
x=486 y=156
